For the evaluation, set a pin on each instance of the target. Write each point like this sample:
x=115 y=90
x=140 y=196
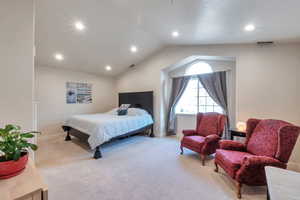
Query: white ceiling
x=113 y=25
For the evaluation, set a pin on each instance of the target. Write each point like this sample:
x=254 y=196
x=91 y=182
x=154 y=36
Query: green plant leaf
x=34 y=132
x=11 y=127
x=33 y=146
x=27 y=135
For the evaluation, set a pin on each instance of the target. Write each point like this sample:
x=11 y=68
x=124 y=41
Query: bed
x=100 y=128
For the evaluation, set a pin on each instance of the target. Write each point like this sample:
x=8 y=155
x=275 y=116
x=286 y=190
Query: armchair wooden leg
x=238 y=192
x=203 y=157
x=97 y=153
x=68 y=137
x=181 y=148
x=217 y=167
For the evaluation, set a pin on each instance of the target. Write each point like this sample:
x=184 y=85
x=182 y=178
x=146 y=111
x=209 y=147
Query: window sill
x=185 y=114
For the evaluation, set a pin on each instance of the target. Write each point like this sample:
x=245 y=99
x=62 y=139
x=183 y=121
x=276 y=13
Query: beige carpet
x=136 y=168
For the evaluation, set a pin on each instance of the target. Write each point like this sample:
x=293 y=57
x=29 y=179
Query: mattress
x=102 y=127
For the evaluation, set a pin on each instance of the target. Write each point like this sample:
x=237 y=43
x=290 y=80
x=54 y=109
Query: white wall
x=266 y=79
x=16 y=62
x=185 y=121
x=51 y=96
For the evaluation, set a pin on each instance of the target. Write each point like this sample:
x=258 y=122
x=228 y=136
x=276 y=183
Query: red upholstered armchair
x=268 y=143
x=204 y=140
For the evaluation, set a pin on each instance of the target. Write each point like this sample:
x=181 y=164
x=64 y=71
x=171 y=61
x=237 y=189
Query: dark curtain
x=178 y=86
x=216 y=87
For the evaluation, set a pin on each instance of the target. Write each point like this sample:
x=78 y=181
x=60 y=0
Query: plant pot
x=13 y=168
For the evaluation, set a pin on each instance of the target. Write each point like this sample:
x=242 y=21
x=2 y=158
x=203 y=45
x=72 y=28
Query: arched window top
x=198 y=68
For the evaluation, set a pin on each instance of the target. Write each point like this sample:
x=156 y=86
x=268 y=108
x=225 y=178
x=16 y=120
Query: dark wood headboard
x=142 y=100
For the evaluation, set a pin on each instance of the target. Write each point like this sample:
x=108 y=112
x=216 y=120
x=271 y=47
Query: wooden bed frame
x=142 y=100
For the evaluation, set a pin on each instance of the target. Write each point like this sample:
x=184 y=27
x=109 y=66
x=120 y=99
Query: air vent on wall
x=132 y=66
x=265 y=43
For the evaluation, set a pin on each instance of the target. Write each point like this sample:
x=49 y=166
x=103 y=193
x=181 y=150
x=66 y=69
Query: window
x=195 y=98
x=198 y=68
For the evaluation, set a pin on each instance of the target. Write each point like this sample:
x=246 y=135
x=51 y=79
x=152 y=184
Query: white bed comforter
x=102 y=127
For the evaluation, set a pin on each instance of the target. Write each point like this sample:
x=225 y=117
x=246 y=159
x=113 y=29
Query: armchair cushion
x=208 y=124
x=257 y=144
x=194 y=142
x=189 y=132
x=266 y=130
x=230 y=161
x=232 y=145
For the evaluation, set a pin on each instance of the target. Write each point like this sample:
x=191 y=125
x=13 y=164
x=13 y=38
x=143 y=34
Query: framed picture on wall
x=80 y=93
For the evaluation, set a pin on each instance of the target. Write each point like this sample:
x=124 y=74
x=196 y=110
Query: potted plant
x=14 y=148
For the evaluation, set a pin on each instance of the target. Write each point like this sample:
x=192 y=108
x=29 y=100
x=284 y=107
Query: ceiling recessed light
x=108 y=68
x=249 y=27
x=79 y=26
x=58 y=56
x=175 y=34
x=133 y=49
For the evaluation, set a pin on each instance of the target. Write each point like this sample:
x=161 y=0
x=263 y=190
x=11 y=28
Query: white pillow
x=137 y=111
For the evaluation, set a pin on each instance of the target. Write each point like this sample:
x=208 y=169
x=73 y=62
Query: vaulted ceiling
x=112 y=26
